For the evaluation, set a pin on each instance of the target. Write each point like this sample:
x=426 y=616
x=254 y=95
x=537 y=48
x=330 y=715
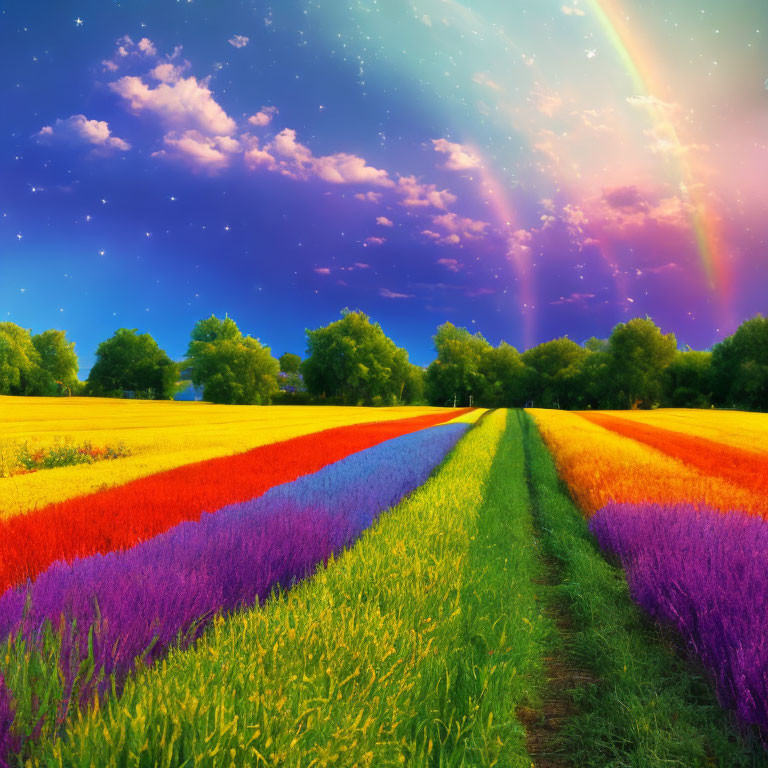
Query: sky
x=525 y=168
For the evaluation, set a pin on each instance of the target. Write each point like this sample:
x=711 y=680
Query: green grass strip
x=414 y=648
x=649 y=707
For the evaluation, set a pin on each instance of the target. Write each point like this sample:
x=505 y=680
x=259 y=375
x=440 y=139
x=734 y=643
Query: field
x=186 y=584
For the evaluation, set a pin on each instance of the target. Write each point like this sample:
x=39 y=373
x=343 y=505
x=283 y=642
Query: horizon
x=525 y=172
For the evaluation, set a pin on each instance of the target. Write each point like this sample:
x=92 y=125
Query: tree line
x=352 y=361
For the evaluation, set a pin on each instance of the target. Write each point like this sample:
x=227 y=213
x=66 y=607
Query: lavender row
x=136 y=603
x=705 y=573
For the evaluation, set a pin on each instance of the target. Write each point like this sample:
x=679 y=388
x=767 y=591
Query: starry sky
x=525 y=168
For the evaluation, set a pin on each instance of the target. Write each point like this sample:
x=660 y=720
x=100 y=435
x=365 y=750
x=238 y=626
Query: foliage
x=740 y=366
x=688 y=380
x=64 y=454
x=639 y=355
x=58 y=363
x=289 y=363
x=353 y=361
x=457 y=373
x=231 y=368
x=130 y=362
x=555 y=368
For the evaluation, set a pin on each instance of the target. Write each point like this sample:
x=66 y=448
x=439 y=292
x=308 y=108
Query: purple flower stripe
x=142 y=600
x=706 y=573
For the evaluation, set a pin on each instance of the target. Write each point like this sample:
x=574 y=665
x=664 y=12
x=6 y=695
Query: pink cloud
x=263 y=116
x=459 y=157
x=374 y=241
x=238 y=41
x=383 y=221
x=387 y=294
x=463 y=227
x=78 y=129
x=452 y=239
x=294 y=159
x=322 y=270
x=184 y=104
x=369 y=197
x=205 y=152
x=451 y=264
x=361 y=265
x=418 y=195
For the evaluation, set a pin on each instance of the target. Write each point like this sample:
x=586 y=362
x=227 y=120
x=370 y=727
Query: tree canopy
x=352 y=360
x=45 y=364
x=130 y=362
x=740 y=366
x=231 y=368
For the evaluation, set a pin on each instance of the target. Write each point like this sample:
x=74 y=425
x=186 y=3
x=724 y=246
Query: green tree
x=555 y=373
x=506 y=378
x=354 y=361
x=20 y=372
x=58 y=362
x=595 y=381
x=232 y=368
x=639 y=356
x=688 y=380
x=740 y=366
x=457 y=373
x=132 y=362
x=289 y=363
x=413 y=391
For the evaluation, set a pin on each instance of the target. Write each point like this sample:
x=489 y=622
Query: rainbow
x=704 y=221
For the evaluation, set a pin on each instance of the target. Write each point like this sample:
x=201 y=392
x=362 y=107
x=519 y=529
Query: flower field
x=679 y=499
x=385 y=587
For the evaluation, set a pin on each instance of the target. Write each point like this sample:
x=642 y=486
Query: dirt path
x=564 y=674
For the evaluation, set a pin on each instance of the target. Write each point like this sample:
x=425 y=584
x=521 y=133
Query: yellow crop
x=736 y=428
x=159 y=435
x=600 y=466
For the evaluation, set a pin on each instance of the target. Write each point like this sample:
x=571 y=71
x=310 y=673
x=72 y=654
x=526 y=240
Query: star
x=78 y=22
x=19 y=236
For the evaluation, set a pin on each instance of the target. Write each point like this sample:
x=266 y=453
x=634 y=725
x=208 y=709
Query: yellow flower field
x=601 y=466
x=159 y=435
x=735 y=428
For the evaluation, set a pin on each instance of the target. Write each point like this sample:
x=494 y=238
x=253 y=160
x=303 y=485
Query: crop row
x=97 y=615
x=120 y=517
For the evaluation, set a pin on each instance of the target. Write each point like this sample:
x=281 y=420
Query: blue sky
x=525 y=169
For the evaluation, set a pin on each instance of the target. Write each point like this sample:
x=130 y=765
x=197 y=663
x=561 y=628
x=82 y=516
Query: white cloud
x=203 y=152
x=238 y=41
x=290 y=157
x=184 y=104
x=459 y=156
x=387 y=294
x=79 y=129
x=383 y=221
x=263 y=116
x=572 y=10
x=127 y=48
